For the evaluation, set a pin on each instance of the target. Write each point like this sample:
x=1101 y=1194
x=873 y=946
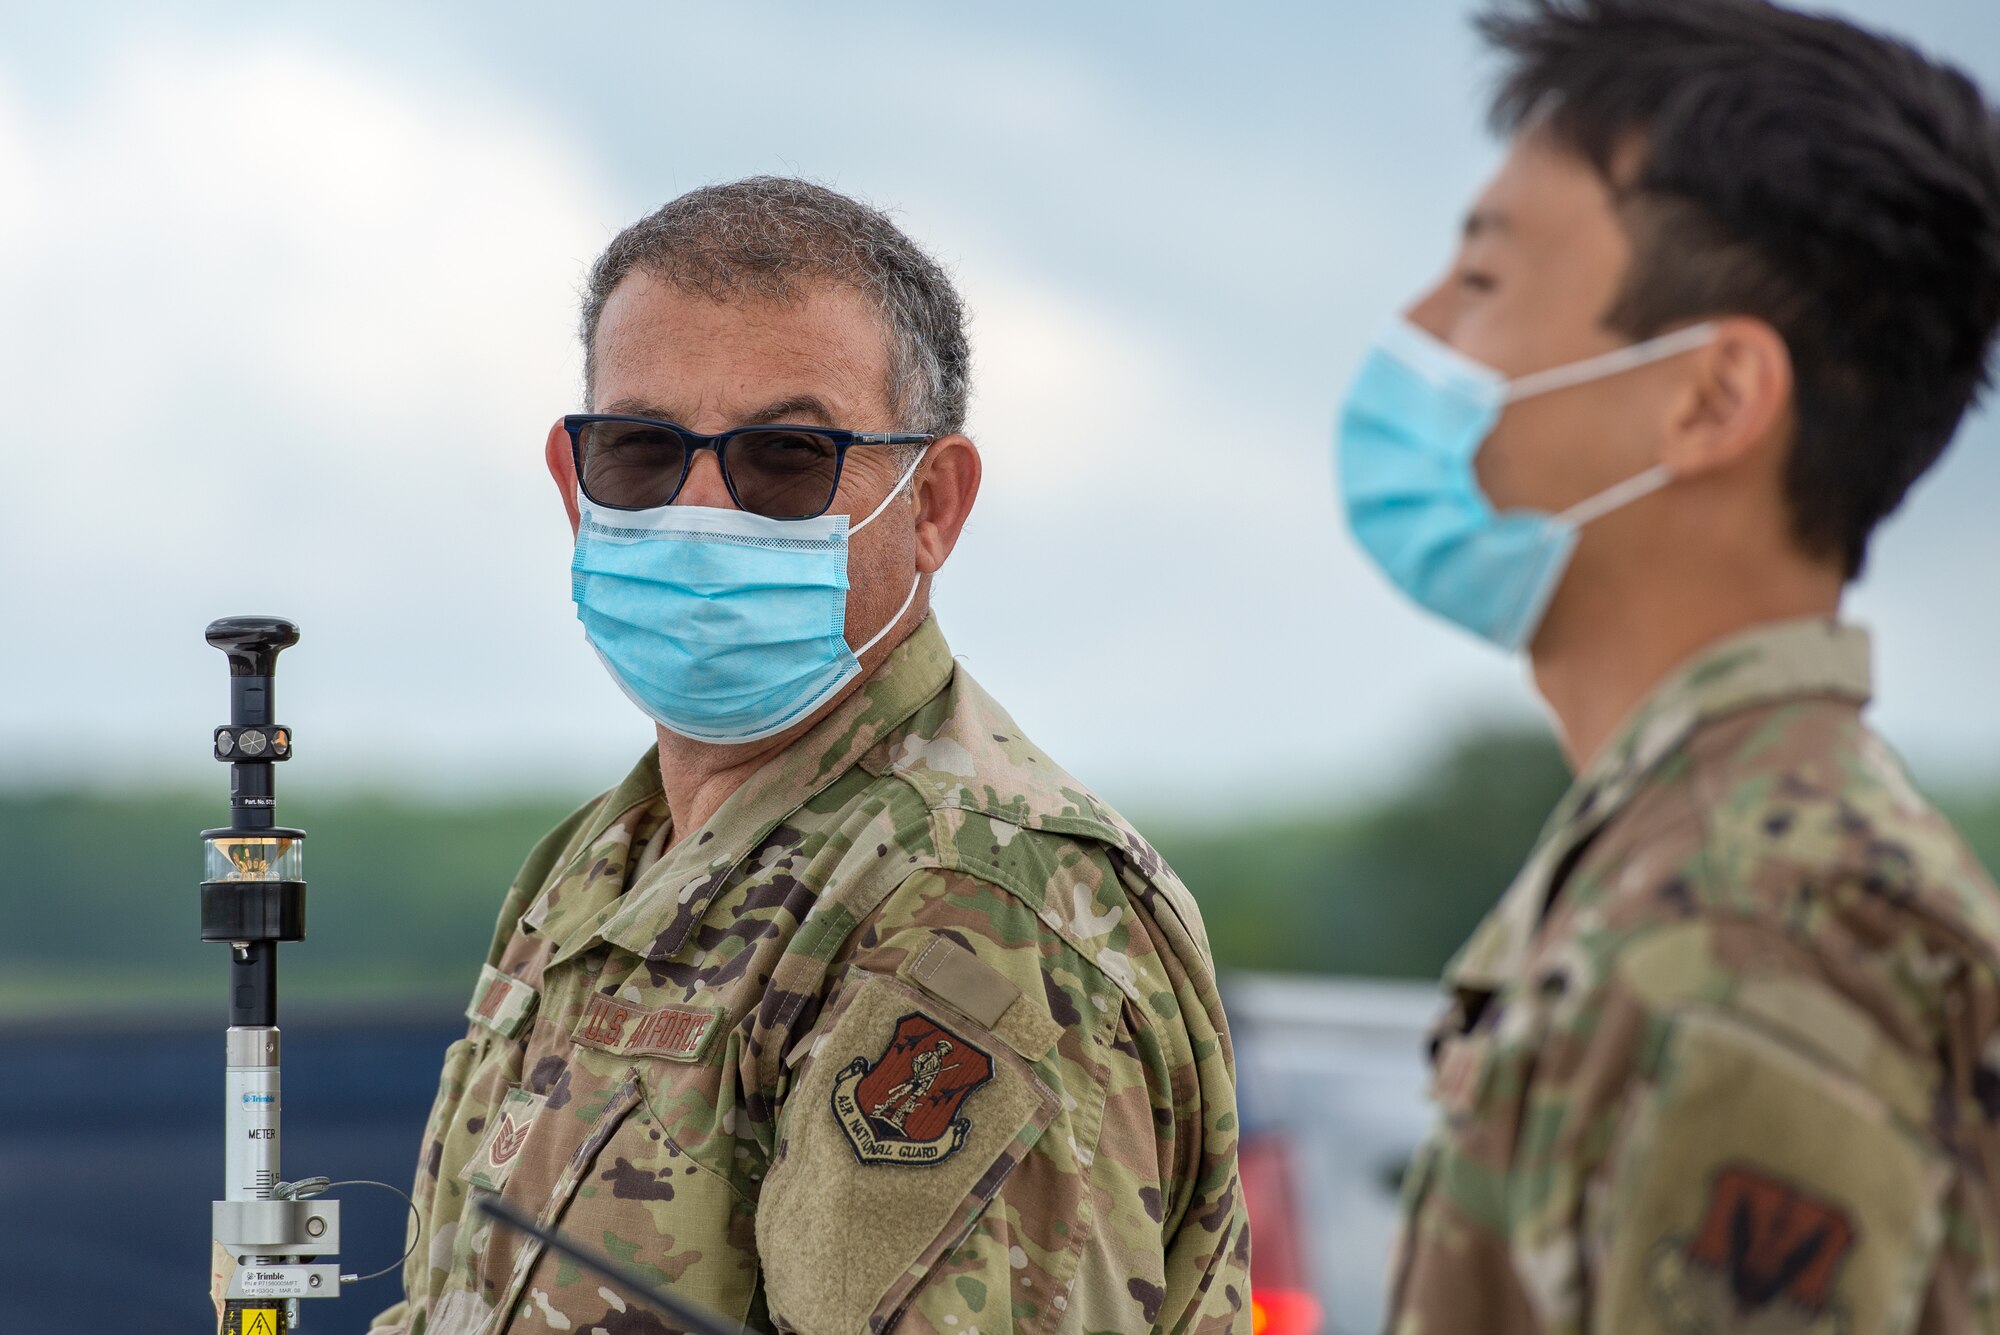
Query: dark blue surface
x=111 y=1150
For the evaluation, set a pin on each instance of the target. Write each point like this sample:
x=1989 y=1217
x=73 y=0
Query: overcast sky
x=286 y=300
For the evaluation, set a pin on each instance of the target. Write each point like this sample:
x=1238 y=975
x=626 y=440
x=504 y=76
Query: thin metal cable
x=308 y=1187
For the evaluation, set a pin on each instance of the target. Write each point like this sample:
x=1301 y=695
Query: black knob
x=252 y=643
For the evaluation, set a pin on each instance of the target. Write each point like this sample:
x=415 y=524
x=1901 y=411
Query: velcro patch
x=1722 y=1220
x=501 y=1003
x=919 y=1201
x=501 y=1149
x=676 y=1032
x=903 y=1107
x=1772 y=1240
x=957 y=977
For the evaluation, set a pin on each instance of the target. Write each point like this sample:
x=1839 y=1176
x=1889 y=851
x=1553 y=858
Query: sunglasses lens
x=629 y=465
x=784 y=474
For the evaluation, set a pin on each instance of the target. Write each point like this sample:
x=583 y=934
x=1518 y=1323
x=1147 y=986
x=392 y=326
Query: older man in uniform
x=847 y=1010
x=1726 y=1056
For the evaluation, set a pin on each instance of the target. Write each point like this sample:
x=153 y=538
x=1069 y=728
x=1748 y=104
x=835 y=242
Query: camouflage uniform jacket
x=915 y=1034
x=1723 y=1058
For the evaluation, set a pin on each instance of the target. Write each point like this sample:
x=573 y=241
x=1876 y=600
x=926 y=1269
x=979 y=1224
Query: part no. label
x=269 y=1283
x=284 y=1281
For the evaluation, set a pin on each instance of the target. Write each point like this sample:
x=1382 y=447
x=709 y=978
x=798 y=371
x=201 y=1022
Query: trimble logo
x=260 y=1098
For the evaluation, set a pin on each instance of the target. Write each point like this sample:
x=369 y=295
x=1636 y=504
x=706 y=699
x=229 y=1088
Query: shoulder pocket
x=906 y=1116
x=1758 y=1184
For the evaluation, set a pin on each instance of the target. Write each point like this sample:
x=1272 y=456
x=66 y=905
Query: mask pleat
x=721 y=625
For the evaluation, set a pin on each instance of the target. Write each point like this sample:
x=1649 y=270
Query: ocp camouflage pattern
x=1724 y=1056
x=703 y=1014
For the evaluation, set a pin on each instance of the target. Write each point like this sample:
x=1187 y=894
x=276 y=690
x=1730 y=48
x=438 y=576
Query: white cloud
x=282 y=336
x=284 y=327
x=329 y=238
x=1075 y=403
x=1156 y=581
x=18 y=188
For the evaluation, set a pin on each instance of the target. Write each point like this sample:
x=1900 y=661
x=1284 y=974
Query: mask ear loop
x=1617 y=497
x=1670 y=344
x=911 y=596
x=1610 y=363
x=908 y=598
x=894 y=491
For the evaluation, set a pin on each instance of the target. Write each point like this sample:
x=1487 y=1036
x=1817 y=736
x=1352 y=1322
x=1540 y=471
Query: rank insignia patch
x=904 y=1106
x=1764 y=1249
x=492 y=1165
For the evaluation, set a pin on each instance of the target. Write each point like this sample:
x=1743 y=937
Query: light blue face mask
x=722 y=625
x=1414 y=419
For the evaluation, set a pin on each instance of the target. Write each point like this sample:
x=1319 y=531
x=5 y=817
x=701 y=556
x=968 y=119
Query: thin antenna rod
x=697 y=1321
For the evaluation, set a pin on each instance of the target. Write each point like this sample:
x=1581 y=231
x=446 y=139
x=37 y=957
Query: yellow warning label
x=254 y=1321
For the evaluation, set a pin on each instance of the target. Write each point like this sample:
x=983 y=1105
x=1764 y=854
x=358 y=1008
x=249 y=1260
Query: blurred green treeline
x=99 y=890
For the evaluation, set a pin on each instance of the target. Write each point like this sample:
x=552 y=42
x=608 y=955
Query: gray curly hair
x=771 y=237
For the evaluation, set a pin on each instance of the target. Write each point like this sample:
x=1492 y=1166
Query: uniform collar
x=596 y=874
x=1813 y=657
x=671 y=895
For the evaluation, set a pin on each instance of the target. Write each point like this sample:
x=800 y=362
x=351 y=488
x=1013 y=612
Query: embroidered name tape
x=501 y=1003
x=678 y=1033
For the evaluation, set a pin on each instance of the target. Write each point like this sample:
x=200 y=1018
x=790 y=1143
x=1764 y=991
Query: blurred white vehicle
x=1330 y=1080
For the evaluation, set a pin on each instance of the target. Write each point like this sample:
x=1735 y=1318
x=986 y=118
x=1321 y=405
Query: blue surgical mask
x=1414 y=419
x=722 y=625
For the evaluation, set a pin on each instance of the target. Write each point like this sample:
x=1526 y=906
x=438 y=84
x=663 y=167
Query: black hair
x=1831 y=181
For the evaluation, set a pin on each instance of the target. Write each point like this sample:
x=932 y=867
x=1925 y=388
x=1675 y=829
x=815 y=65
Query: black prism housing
x=258 y=901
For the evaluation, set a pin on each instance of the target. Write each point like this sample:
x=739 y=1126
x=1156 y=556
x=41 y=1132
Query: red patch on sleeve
x=904 y=1106
x=1771 y=1240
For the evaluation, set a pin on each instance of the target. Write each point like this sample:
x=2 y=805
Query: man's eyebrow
x=639 y=408
x=1486 y=220
x=805 y=409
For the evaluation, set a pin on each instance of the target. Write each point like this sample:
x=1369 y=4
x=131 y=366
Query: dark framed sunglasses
x=779 y=472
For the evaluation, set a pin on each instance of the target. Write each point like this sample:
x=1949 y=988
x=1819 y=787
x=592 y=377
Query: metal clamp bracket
x=277 y=1228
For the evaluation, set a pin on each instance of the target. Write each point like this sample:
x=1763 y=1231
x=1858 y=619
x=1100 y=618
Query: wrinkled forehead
x=714 y=355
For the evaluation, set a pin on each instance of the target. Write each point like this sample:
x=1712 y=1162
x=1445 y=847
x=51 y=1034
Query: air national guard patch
x=1765 y=1252
x=903 y=1108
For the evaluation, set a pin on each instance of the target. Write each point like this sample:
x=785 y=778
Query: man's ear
x=946 y=487
x=1736 y=402
x=562 y=467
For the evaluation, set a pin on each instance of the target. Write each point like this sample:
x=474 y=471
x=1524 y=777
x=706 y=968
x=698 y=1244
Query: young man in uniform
x=848 y=1010
x=1726 y=1056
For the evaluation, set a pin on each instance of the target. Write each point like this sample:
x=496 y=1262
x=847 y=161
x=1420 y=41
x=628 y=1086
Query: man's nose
x=704 y=485
x=1431 y=312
